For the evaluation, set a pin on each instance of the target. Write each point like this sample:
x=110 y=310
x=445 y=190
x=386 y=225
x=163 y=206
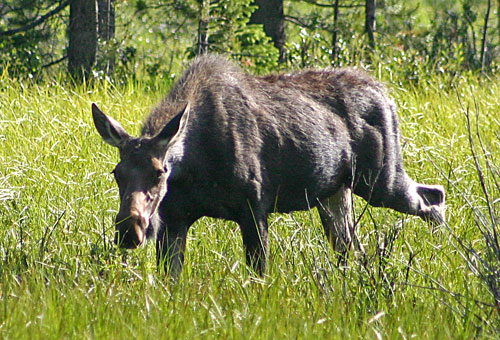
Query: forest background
x=62 y=277
x=123 y=39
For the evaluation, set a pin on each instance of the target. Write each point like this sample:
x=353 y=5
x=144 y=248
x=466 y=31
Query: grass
x=61 y=277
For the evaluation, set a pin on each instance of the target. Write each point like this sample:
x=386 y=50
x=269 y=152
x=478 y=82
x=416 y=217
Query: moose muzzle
x=131 y=224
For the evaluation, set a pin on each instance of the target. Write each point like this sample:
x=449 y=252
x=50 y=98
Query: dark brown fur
x=238 y=147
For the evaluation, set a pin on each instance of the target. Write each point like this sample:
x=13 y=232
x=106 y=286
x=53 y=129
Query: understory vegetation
x=61 y=277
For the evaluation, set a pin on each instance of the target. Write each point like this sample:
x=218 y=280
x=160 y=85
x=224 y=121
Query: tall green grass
x=61 y=277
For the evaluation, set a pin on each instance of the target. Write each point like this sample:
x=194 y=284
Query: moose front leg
x=254 y=233
x=170 y=246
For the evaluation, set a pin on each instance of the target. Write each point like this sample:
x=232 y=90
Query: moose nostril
x=139 y=220
x=143 y=222
x=128 y=240
x=122 y=239
x=130 y=231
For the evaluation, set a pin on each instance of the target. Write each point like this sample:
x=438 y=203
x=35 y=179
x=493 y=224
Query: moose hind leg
x=336 y=216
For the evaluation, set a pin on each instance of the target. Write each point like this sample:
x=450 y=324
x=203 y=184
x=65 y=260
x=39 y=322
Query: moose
x=226 y=144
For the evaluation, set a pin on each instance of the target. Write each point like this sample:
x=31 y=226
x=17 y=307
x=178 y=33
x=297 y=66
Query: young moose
x=230 y=145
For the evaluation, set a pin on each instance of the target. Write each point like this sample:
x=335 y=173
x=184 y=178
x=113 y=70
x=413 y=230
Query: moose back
x=226 y=144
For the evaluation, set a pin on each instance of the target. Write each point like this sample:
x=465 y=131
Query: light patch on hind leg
x=336 y=216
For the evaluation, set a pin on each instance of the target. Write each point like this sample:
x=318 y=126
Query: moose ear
x=175 y=127
x=109 y=129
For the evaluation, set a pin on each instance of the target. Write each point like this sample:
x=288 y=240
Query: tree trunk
x=270 y=14
x=370 y=21
x=106 y=32
x=485 y=37
x=333 y=55
x=105 y=19
x=498 y=19
x=203 y=26
x=82 y=38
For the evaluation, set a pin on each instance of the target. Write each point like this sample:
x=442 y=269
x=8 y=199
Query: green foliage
x=256 y=51
x=411 y=37
x=149 y=49
x=229 y=33
x=27 y=52
x=154 y=38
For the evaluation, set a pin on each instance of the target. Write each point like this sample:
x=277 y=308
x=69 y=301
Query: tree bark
x=203 y=26
x=370 y=21
x=82 y=33
x=333 y=55
x=106 y=32
x=105 y=19
x=498 y=19
x=270 y=14
x=485 y=37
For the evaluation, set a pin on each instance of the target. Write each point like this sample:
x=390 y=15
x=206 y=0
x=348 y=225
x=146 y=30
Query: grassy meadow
x=62 y=278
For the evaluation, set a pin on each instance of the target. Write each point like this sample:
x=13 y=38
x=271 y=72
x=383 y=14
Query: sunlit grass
x=61 y=276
